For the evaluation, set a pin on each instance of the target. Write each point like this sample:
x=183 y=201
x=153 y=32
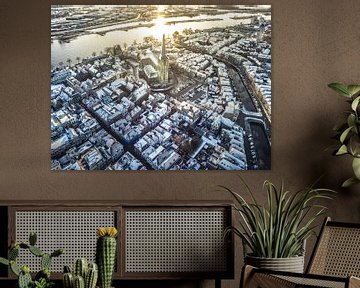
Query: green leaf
x=13 y=253
x=340 y=88
x=349 y=182
x=351 y=120
x=36 y=251
x=355 y=103
x=345 y=134
x=342 y=150
x=4 y=261
x=354 y=145
x=14 y=268
x=356 y=167
x=353 y=89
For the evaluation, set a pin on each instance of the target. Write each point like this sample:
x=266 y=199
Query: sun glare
x=159 y=28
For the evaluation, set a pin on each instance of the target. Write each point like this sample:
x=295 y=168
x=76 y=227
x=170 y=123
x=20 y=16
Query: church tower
x=163 y=64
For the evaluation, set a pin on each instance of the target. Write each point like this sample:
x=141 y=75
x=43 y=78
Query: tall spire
x=163 y=64
x=163 y=49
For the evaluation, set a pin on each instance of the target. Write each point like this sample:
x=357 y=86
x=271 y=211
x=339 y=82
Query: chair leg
x=217 y=282
x=246 y=274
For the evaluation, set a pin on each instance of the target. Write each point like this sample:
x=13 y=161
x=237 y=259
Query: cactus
x=90 y=272
x=57 y=253
x=91 y=276
x=32 y=238
x=42 y=278
x=24 y=246
x=24 y=280
x=80 y=267
x=67 y=269
x=105 y=254
x=13 y=253
x=79 y=282
x=68 y=280
x=45 y=261
x=36 y=251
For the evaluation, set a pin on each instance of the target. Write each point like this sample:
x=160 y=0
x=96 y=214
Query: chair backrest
x=337 y=251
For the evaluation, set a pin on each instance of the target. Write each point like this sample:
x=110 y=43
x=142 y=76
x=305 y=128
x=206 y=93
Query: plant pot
x=291 y=264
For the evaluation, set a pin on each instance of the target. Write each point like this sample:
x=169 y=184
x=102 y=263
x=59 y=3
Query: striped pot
x=291 y=264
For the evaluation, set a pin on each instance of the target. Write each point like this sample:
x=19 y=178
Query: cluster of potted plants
x=42 y=278
x=84 y=274
x=275 y=234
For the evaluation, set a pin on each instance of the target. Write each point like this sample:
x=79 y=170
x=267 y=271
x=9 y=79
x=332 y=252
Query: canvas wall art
x=160 y=87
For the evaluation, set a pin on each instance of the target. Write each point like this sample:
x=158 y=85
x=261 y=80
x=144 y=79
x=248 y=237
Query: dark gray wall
x=314 y=43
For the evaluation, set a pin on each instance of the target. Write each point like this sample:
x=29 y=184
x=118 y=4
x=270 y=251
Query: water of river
x=84 y=46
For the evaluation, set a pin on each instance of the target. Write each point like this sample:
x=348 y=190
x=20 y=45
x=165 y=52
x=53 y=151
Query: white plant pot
x=291 y=264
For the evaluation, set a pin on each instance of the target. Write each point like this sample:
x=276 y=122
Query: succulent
x=43 y=283
x=80 y=267
x=85 y=275
x=105 y=254
x=24 y=278
x=42 y=278
x=79 y=282
x=68 y=280
x=91 y=275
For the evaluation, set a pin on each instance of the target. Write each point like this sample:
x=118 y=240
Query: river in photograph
x=83 y=46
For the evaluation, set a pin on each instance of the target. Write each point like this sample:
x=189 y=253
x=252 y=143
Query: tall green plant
x=279 y=229
x=348 y=132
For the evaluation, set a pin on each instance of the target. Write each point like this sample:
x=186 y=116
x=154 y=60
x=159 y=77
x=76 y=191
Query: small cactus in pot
x=85 y=275
x=106 y=254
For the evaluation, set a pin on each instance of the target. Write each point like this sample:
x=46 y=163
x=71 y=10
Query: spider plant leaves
x=279 y=228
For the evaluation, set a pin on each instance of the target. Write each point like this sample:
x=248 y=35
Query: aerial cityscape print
x=160 y=87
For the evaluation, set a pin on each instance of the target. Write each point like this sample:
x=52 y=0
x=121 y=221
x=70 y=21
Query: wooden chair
x=335 y=262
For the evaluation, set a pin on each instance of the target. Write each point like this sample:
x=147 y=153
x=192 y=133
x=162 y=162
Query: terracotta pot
x=291 y=264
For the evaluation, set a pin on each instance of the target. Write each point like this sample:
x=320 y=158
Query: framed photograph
x=160 y=87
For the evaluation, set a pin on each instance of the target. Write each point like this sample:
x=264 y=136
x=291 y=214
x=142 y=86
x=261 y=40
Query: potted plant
x=42 y=278
x=276 y=233
x=348 y=132
x=84 y=274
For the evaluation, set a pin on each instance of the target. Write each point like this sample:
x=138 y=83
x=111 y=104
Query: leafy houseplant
x=279 y=229
x=42 y=278
x=348 y=133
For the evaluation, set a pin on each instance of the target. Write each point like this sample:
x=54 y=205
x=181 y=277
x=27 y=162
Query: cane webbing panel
x=313 y=282
x=175 y=241
x=74 y=231
x=338 y=252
